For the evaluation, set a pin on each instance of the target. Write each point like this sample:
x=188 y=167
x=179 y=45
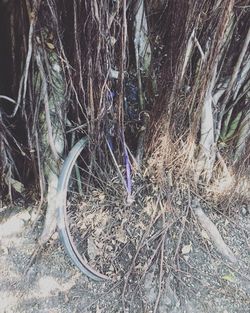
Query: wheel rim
x=62 y=219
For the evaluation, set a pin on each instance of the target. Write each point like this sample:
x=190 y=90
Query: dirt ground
x=203 y=282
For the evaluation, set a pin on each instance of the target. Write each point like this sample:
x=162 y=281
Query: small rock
x=55 y=236
x=4 y=250
x=244 y=210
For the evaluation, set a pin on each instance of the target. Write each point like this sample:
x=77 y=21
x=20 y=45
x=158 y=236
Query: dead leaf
x=109 y=248
x=139 y=266
x=141 y=225
x=38 y=39
x=186 y=249
x=50 y=45
x=112 y=40
x=204 y=234
x=19 y=187
x=4 y=250
x=101 y=197
x=99 y=245
x=50 y=36
x=114 y=74
x=150 y=208
x=98 y=310
x=121 y=236
x=93 y=251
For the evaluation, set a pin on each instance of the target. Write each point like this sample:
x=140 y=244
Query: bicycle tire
x=62 y=220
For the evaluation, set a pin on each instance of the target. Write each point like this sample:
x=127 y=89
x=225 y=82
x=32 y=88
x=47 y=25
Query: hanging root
x=213 y=233
x=52 y=122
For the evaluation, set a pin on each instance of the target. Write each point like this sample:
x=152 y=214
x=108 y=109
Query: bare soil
x=196 y=279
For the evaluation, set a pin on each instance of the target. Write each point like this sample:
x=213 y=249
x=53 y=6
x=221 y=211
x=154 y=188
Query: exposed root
x=213 y=233
x=50 y=220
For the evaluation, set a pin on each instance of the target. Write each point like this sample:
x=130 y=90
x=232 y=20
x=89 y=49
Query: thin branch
x=23 y=81
x=8 y=99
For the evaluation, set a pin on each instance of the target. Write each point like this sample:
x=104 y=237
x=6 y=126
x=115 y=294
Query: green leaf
x=229 y=277
x=229 y=128
x=226 y=125
x=233 y=126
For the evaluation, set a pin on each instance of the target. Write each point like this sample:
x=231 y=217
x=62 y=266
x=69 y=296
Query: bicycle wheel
x=64 y=198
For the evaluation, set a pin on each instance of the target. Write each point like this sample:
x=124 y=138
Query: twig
x=46 y=105
x=141 y=140
x=149 y=264
x=135 y=257
x=184 y=220
x=199 y=47
x=8 y=99
x=164 y=229
x=161 y=266
x=33 y=257
x=116 y=165
x=134 y=162
x=189 y=49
